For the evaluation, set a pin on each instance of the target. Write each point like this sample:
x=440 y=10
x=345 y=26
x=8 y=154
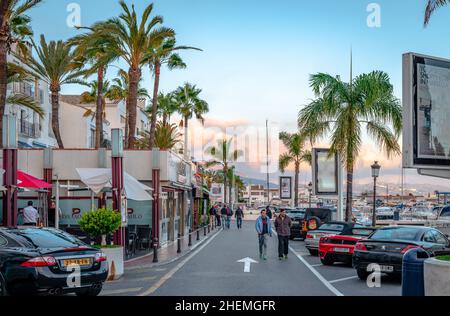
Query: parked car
x=297 y=215
x=387 y=245
x=340 y=248
x=314 y=217
x=39 y=261
x=327 y=229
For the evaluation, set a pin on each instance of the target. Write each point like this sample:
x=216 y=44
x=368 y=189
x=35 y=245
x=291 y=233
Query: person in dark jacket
x=223 y=213
x=283 y=225
x=239 y=216
x=229 y=215
x=269 y=212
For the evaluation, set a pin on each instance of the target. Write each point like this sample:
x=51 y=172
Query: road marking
x=121 y=291
x=317 y=274
x=178 y=267
x=247 y=263
x=316 y=265
x=344 y=279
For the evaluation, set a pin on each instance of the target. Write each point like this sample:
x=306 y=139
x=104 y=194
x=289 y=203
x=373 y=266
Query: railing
x=29 y=129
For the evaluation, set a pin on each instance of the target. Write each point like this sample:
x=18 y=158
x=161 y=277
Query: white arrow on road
x=247 y=263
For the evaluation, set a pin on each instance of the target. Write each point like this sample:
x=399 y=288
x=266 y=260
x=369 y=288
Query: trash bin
x=412 y=272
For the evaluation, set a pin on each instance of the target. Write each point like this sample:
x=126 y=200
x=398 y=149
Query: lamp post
x=375 y=174
x=310 y=185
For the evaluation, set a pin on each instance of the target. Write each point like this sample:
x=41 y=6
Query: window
x=47 y=238
x=92 y=138
x=429 y=237
x=3 y=241
x=41 y=96
x=123 y=120
x=440 y=239
x=333 y=227
x=402 y=233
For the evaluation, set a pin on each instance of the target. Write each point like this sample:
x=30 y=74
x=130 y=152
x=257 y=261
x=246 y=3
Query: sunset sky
x=258 y=55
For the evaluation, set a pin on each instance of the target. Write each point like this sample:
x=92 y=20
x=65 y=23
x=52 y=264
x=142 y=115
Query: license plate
x=78 y=262
x=344 y=250
x=387 y=268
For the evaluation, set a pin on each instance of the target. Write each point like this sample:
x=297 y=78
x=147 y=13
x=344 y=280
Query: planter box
x=437 y=277
x=115 y=262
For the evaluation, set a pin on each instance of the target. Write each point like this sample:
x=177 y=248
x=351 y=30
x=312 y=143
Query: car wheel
x=327 y=261
x=93 y=291
x=313 y=252
x=362 y=274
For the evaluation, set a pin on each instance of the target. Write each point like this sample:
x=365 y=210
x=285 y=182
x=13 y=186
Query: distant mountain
x=254 y=181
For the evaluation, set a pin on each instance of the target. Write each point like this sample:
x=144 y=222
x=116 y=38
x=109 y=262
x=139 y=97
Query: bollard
x=190 y=238
x=413 y=283
x=198 y=234
x=209 y=228
x=155 y=250
x=179 y=243
x=204 y=230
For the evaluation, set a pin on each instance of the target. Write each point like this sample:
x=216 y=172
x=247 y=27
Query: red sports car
x=340 y=248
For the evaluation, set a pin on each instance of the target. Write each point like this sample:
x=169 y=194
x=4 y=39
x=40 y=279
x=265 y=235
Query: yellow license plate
x=78 y=262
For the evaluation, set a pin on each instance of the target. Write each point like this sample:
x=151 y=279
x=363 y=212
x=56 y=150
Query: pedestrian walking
x=218 y=221
x=229 y=216
x=239 y=216
x=30 y=215
x=264 y=230
x=223 y=213
x=212 y=214
x=283 y=225
x=269 y=212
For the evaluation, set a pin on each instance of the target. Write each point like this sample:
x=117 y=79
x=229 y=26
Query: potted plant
x=437 y=276
x=101 y=223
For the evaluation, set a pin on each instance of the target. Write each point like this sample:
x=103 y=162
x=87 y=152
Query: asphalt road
x=212 y=270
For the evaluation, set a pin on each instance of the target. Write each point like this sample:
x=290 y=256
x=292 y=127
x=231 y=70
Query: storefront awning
x=97 y=179
x=25 y=180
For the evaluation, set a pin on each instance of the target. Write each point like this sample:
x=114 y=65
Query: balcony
x=28 y=129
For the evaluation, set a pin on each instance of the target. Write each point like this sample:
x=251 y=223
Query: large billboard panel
x=325 y=172
x=426 y=112
x=285 y=188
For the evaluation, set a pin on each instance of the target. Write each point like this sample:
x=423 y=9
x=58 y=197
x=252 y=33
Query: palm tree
x=167 y=106
x=166 y=137
x=222 y=155
x=433 y=5
x=17 y=74
x=92 y=50
x=55 y=65
x=162 y=53
x=296 y=154
x=128 y=39
x=90 y=97
x=343 y=109
x=14 y=28
x=190 y=104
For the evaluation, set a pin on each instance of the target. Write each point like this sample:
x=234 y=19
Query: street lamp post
x=375 y=174
x=310 y=185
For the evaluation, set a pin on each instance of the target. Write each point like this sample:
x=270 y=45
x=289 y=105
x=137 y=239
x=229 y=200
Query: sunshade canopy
x=24 y=180
x=97 y=179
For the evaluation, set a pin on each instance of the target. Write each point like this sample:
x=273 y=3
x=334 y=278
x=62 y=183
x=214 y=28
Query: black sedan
x=46 y=261
x=386 y=247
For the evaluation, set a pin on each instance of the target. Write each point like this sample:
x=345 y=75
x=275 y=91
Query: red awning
x=25 y=180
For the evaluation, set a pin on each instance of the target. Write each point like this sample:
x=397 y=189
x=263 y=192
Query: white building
x=33 y=131
x=79 y=132
x=256 y=195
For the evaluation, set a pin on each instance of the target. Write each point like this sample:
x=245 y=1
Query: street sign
x=247 y=263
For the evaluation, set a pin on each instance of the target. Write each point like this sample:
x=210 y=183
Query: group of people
x=222 y=215
x=282 y=225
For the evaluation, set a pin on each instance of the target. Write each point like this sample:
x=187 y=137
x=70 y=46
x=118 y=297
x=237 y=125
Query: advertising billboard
x=426 y=112
x=325 y=172
x=285 y=188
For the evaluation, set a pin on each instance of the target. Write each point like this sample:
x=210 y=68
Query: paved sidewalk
x=168 y=253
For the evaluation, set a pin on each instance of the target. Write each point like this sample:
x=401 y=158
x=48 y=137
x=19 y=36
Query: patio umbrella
x=25 y=180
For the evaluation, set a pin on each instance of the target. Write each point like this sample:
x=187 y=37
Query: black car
x=297 y=215
x=313 y=219
x=45 y=261
x=387 y=246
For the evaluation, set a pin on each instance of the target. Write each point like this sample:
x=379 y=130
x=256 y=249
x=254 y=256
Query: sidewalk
x=168 y=253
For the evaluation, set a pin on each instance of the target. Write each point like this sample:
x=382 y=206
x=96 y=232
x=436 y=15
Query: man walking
x=229 y=215
x=239 y=216
x=264 y=230
x=223 y=212
x=30 y=215
x=283 y=225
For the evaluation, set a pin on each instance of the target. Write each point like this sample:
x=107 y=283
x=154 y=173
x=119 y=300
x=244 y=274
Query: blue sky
x=258 y=54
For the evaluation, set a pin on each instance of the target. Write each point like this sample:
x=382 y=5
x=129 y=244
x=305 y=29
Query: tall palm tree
x=92 y=50
x=17 y=74
x=91 y=96
x=222 y=155
x=343 y=109
x=128 y=39
x=167 y=106
x=190 y=104
x=162 y=53
x=295 y=154
x=14 y=28
x=55 y=65
x=433 y=5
